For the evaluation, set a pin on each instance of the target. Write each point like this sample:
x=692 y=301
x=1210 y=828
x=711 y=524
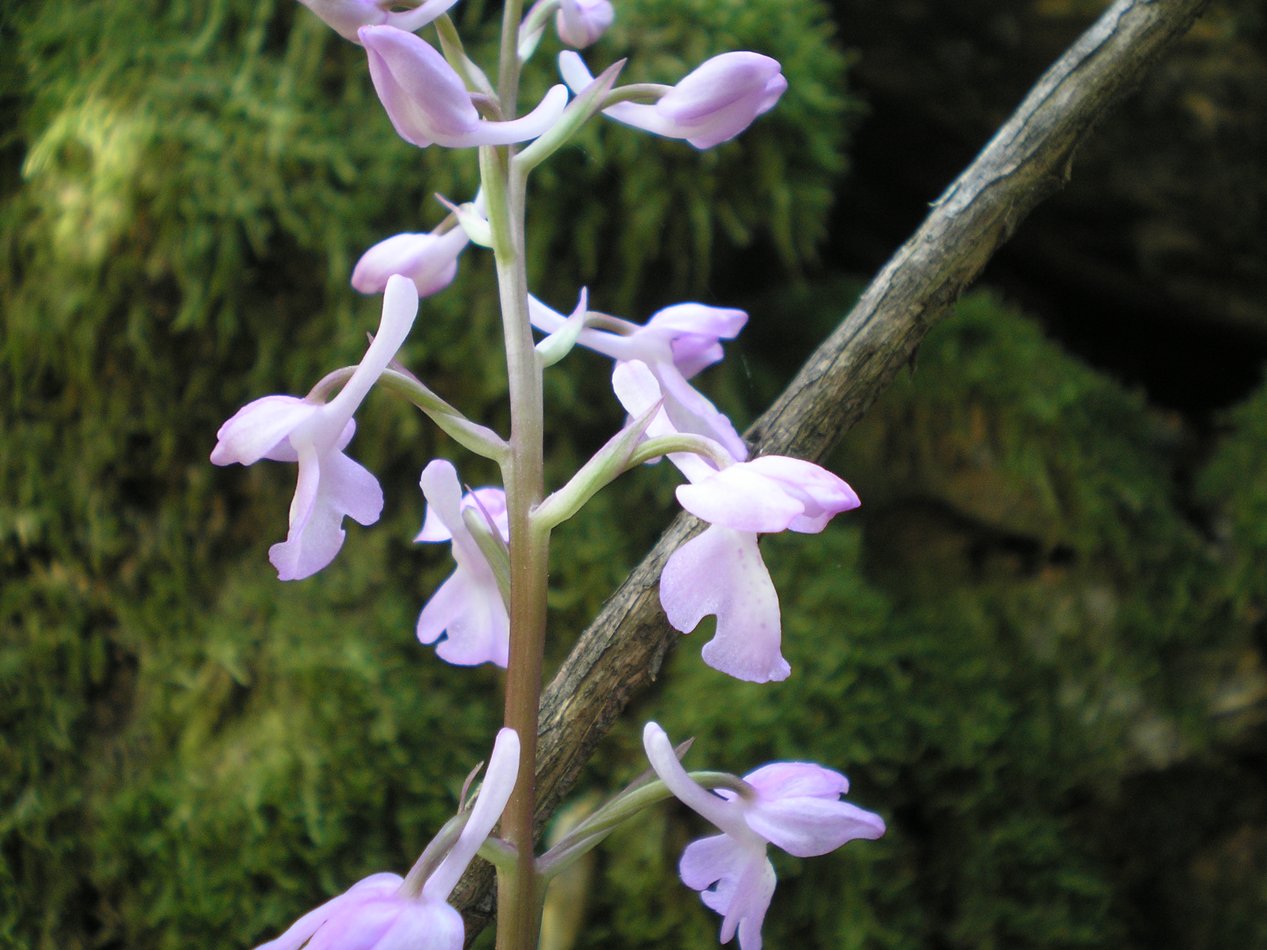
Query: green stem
x=599 y=472
x=519 y=893
x=508 y=63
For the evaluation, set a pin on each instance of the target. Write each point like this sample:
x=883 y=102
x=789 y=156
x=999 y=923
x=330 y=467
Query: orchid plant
x=492 y=609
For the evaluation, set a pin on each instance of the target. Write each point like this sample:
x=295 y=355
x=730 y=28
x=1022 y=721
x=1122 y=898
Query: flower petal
x=694 y=330
x=721 y=98
x=423 y=96
x=429 y=260
x=721 y=572
x=582 y=22
x=694 y=796
x=400 y=307
x=797 y=780
x=718 y=323
x=823 y=493
x=420 y=16
x=434 y=925
x=740 y=499
x=258 y=428
x=526 y=127
x=734 y=879
x=349 y=488
x=811 y=826
x=713 y=859
x=302 y=929
x=499 y=782
x=691 y=411
x=472 y=617
x=347 y=16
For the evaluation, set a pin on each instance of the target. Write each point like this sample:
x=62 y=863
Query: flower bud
x=429 y=260
x=710 y=105
x=582 y=22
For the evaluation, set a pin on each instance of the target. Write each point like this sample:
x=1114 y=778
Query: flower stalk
x=519 y=894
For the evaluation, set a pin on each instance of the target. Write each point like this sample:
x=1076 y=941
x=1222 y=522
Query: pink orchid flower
x=466 y=617
x=720 y=571
x=378 y=913
x=315 y=434
x=675 y=344
x=428 y=103
x=348 y=16
x=793 y=805
x=710 y=105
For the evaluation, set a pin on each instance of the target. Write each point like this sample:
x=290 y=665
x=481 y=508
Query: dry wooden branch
x=1028 y=159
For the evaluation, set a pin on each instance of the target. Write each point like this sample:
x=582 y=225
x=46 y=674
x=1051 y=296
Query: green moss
x=1234 y=483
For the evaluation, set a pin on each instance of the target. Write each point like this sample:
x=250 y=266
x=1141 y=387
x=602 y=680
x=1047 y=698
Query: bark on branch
x=1028 y=159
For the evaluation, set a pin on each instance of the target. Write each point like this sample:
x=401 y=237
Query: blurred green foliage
x=999 y=648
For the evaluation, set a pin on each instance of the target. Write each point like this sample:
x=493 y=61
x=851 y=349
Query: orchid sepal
x=561 y=341
x=428 y=103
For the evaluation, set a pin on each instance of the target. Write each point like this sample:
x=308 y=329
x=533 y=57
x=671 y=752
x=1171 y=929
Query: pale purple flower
x=675 y=344
x=710 y=105
x=794 y=805
x=466 y=617
x=582 y=22
x=428 y=103
x=429 y=260
x=314 y=434
x=348 y=16
x=379 y=913
x=720 y=571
